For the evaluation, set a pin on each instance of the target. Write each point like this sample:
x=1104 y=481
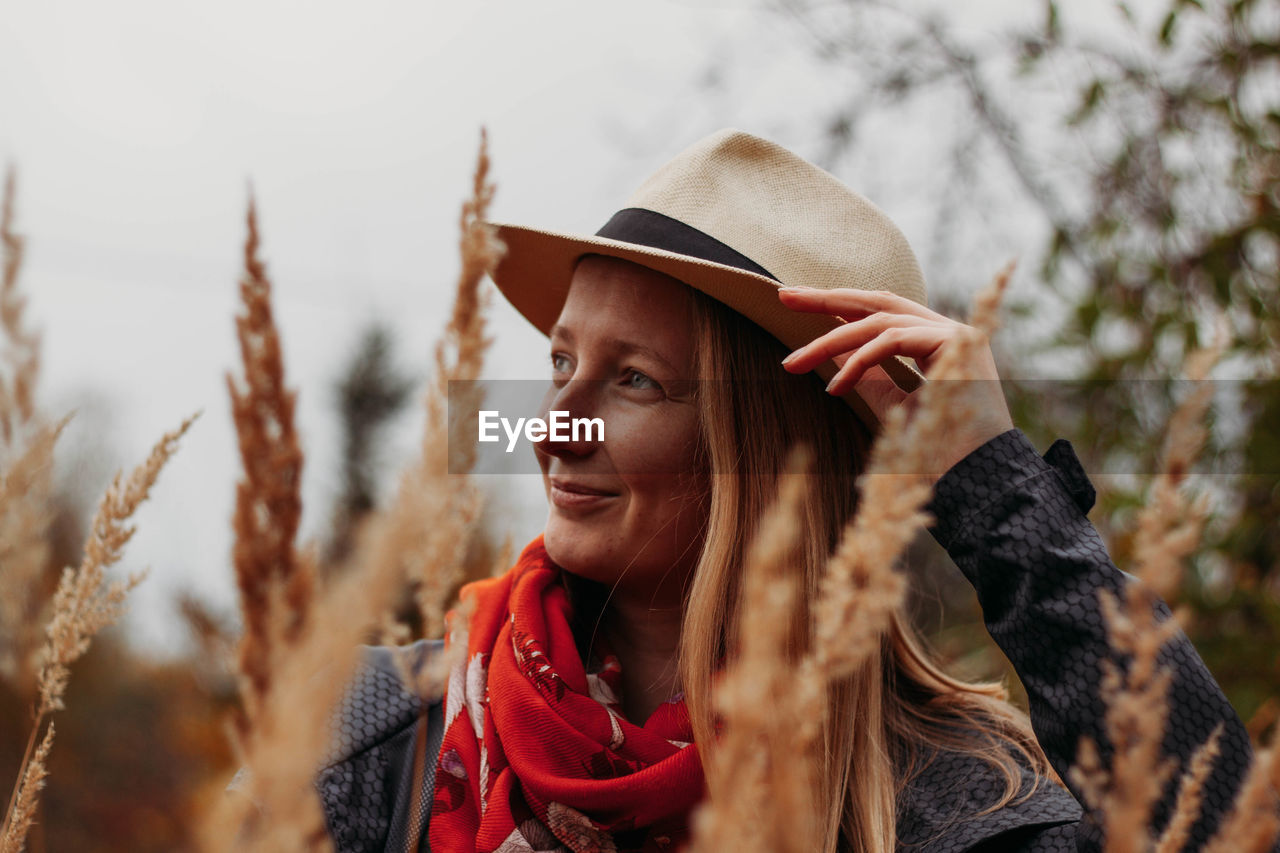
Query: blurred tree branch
x=1147 y=152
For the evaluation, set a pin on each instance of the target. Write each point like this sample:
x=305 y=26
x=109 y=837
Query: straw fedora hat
x=736 y=217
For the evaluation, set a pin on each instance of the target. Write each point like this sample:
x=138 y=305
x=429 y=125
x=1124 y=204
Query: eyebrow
x=617 y=344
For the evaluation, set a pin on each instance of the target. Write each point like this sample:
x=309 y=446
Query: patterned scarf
x=536 y=754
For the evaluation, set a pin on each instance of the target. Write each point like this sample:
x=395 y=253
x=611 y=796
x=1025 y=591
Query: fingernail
x=831 y=384
x=794 y=288
x=788 y=359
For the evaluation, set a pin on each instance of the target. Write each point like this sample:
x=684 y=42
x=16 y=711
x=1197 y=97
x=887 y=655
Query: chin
x=567 y=548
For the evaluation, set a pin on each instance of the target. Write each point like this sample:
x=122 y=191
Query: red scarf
x=536 y=753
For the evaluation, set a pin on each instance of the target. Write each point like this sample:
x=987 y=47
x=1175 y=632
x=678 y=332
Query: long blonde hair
x=889 y=718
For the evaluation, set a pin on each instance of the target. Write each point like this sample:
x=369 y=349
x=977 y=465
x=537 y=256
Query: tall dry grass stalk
x=1168 y=529
x=397 y=543
x=1254 y=822
x=1126 y=790
x=26 y=512
x=296 y=668
x=762 y=771
x=85 y=602
x=276 y=587
x=26 y=459
x=279 y=733
x=761 y=775
x=26 y=797
x=17 y=392
x=1169 y=524
x=861 y=589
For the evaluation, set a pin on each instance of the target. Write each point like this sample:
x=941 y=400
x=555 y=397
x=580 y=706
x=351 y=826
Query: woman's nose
x=574 y=427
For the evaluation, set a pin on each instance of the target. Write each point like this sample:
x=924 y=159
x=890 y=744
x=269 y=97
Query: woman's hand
x=880 y=325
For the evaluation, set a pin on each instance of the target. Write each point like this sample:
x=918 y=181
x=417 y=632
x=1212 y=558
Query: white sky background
x=136 y=127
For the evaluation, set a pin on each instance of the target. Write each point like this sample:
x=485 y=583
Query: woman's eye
x=637 y=380
x=560 y=363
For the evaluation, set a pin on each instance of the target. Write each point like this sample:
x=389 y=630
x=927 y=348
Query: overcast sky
x=136 y=128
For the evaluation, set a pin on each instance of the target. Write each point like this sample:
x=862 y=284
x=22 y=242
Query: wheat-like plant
x=17 y=393
x=1126 y=790
x=26 y=797
x=275 y=586
x=85 y=602
x=25 y=514
x=1190 y=796
x=280 y=731
x=761 y=775
x=762 y=770
x=436 y=486
x=1254 y=821
x=301 y=638
x=26 y=459
x=307 y=638
x=861 y=590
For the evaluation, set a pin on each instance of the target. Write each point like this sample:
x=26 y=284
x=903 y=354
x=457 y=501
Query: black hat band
x=659 y=231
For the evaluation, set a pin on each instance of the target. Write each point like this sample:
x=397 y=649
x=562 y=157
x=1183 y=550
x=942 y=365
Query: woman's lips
x=566 y=494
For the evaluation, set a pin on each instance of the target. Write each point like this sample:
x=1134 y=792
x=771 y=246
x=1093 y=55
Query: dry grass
x=26 y=797
x=1190 y=796
x=85 y=602
x=397 y=543
x=276 y=587
x=1254 y=821
x=861 y=590
x=1168 y=531
x=26 y=454
x=22 y=354
x=761 y=774
x=302 y=642
x=1126 y=790
x=25 y=514
x=763 y=770
x=280 y=730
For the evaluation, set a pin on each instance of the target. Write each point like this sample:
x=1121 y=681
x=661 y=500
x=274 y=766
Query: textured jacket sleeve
x=1015 y=525
x=366 y=786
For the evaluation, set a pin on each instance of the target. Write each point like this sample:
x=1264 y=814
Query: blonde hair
x=890 y=718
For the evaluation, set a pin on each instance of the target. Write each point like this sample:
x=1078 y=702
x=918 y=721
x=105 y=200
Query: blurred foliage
x=369 y=394
x=1149 y=149
x=140 y=749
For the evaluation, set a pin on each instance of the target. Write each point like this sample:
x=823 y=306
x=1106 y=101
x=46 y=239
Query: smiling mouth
x=575 y=496
x=578 y=488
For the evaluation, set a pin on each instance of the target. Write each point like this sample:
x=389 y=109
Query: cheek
x=667 y=521
x=658 y=461
x=652 y=444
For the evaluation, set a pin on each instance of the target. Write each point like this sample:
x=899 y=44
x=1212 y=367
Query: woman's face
x=629 y=510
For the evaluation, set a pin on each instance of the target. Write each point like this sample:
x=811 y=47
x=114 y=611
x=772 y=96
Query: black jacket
x=1015 y=525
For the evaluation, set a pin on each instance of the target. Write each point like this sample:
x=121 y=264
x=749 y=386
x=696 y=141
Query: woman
x=581 y=714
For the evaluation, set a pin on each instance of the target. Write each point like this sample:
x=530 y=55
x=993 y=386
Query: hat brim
x=535 y=272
